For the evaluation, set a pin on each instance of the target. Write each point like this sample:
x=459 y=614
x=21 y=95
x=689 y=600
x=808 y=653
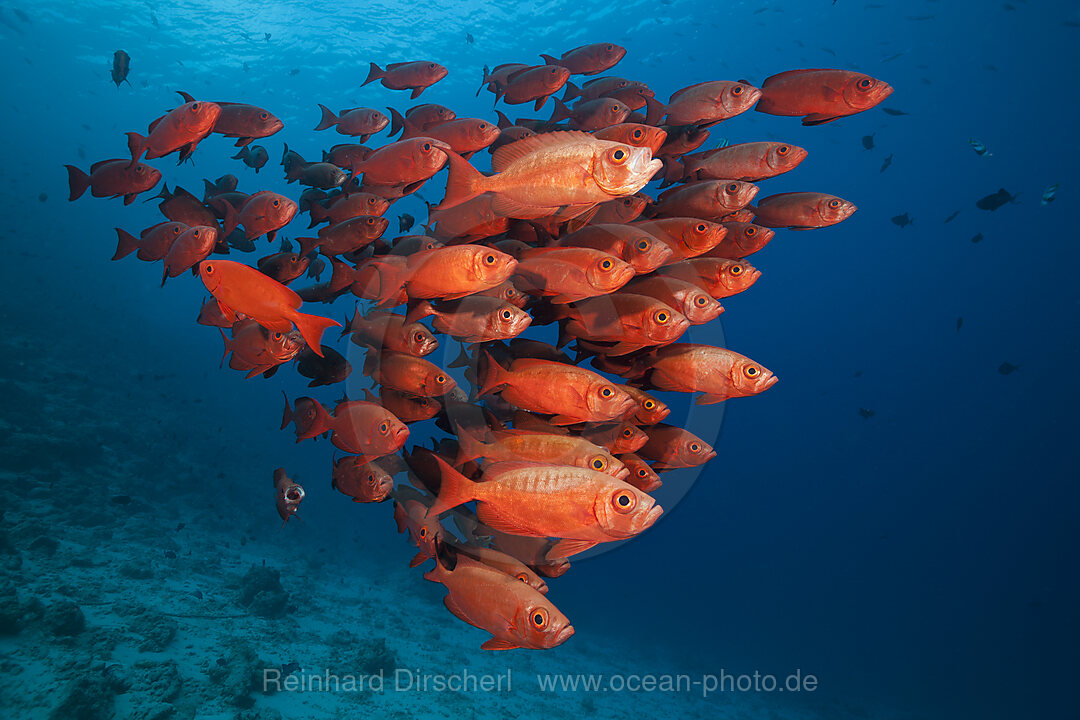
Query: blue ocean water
x=918 y=563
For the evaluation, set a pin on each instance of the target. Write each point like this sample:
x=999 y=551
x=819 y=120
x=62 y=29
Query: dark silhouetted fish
x=121 y=65
x=1049 y=194
x=405 y=222
x=894 y=112
x=959 y=323
x=885 y=165
x=951 y=217
x=902 y=220
x=977 y=238
x=1007 y=368
x=866 y=414
x=868 y=141
x=995 y=200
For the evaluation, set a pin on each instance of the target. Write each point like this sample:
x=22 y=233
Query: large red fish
x=671 y=447
x=475 y=318
x=631 y=93
x=821 y=96
x=153 y=243
x=194 y=245
x=589 y=59
x=416 y=76
x=695 y=304
x=749 y=162
x=571 y=274
x=257 y=350
x=403 y=162
x=242 y=289
x=463 y=135
x=364 y=482
x=629 y=321
x=687 y=237
x=367 y=429
x=386 y=330
x=422 y=116
x=529 y=84
x=802 y=210
x=719 y=373
x=112 y=178
x=181 y=129
x=630 y=243
x=264 y=213
x=592 y=115
x=342 y=207
x=720 y=277
x=243 y=122
x=742 y=239
x=360 y=122
x=708 y=103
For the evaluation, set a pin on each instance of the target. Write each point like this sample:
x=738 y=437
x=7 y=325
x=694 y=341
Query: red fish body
x=592 y=115
x=719 y=373
x=403 y=162
x=589 y=59
x=257 y=350
x=239 y=288
x=632 y=244
x=380 y=329
x=670 y=447
x=424 y=532
x=720 y=277
x=112 y=178
x=310 y=419
x=708 y=199
x=635 y=134
x=742 y=239
x=708 y=103
x=364 y=482
x=153 y=243
x=630 y=321
x=531 y=84
x=687 y=237
x=749 y=162
x=416 y=76
x=192 y=246
x=342 y=207
x=420 y=116
x=571 y=274
x=361 y=122
x=408 y=373
x=476 y=318
x=264 y=213
x=631 y=93
x=821 y=96
x=181 y=129
x=367 y=429
x=346 y=236
x=284 y=267
x=802 y=210
x=698 y=306
x=287 y=495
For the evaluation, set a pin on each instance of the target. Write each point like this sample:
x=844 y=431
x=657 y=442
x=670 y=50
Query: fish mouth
x=769 y=383
x=622 y=474
x=563 y=635
x=651 y=517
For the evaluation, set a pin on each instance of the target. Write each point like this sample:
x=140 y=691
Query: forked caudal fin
x=463 y=183
x=312 y=328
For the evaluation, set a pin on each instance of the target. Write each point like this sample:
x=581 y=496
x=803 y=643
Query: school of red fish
x=558 y=232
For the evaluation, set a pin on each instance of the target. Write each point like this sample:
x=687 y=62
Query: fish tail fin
x=454 y=489
x=420 y=311
x=654 y=111
x=397 y=122
x=307 y=245
x=561 y=112
x=136 y=145
x=311 y=327
x=242 y=155
x=462 y=360
x=318 y=213
x=494 y=376
x=78 y=181
x=284 y=153
x=470 y=447
x=463 y=183
x=329 y=119
x=232 y=218
x=504 y=122
x=228 y=349
x=375 y=73
x=572 y=91
x=126 y=243
x=548 y=60
x=287 y=414
x=445 y=561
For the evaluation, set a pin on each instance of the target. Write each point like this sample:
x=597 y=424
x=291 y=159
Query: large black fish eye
x=263 y=116
x=609 y=47
x=506 y=314
x=737 y=90
x=866 y=84
x=431 y=66
x=733 y=187
x=782 y=150
x=695 y=448
x=195 y=107
x=277 y=203
x=736 y=270
x=638 y=133
x=834 y=203
x=489 y=259
x=700 y=301
x=642 y=244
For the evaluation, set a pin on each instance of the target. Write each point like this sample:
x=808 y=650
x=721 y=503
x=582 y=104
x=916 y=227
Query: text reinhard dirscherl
x=406 y=680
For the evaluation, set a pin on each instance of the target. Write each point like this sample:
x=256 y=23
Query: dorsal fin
x=508 y=154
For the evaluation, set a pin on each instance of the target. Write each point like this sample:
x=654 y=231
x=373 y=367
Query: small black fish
x=866 y=414
x=885 y=165
x=951 y=217
x=469 y=38
x=405 y=222
x=254 y=156
x=170 y=555
x=868 y=142
x=902 y=220
x=266 y=36
x=315 y=269
x=1007 y=368
x=977 y=238
x=42 y=197
x=121 y=65
x=294 y=71
x=894 y=112
x=995 y=200
x=959 y=323
x=180 y=526
x=858 y=373
x=121 y=499
x=331 y=368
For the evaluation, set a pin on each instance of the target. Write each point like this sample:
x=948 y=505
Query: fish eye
x=431 y=66
x=627 y=432
x=733 y=187
x=598 y=463
x=483 y=126
x=423 y=533
x=624 y=501
x=277 y=202
x=782 y=150
x=751 y=231
x=661 y=317
x=609 y=47
x=614 y=107
x=384 y=427
x=622 y=83
x=506 y=314
x=195 y=107
x=606 y=392
x=737 y=90
x=489 y=259
x=440 y=378
x=370 y=480
x=605 y=264
x=539 y=618
x=196 y=233
x=628 y=202
x=263 y=116
x=736 y=269
x=209 y=269
x=618 y=156
x=523 y=578
x=695 y=448
x=751 y=371
x=419 y=337
x=648 y=404
x=700 y=301
x=638 y=133
x=700 y=228
x=642 y=472
x=642 y=244
x=277 y=336
x=426 y=147
x=866 y=84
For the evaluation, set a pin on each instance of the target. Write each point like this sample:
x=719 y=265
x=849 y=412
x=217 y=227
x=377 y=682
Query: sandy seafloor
x=108 y=610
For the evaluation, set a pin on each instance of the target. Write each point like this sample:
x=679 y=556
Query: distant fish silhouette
x=1049 y=194
x=977 y=238
x=121 y=65
x=959 y=323
x=995 y=200
x=1007 y=368
x=469 y=38
x=885 y=165
x=951 y=217
x=894 y=112
x=405 y=222
x=866 y=414
x=868 y=141
x=902 y=220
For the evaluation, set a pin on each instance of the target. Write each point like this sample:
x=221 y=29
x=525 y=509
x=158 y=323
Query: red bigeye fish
x=403 y=162
x=641 y=474
x=529 y=84
x=243 y=122
x=310 y=419
x=364 y=482
x=621 y=437
x=802 y=210
x=687 y=237
x=709 y=199
x=514 y=613
x=629 y=321
x=633 y=245
x=631 y=93
x=453 y=272
x=719 y=373
x=698 y=306
x=366 y=429
x=592 y=115
x=720 y=277
x=742 y=239
x=649 y=410
x=210 y=314
x=539 y=447
x=589 y=59
x=284 y=267
x=503 y=563
x=570 y=393
x=463 y=135
x=264 y=213
x=749 y=162
x=181 y=129
x=670 y=447
x=495 y=80
x=621 y=210
x=153 y=243
x=342 y=207
x=194 y=245
x=112 y=178
x=346 y=236
x=472 y=219
x=257 y=350
x=242 y=289
x=538 y=176
x=570 y=274
x=424 y=532
x=421 y=116
x=287 y=495
x=821 y=96
x=708 y=103
x=476 y=318
x=634 y=134
x=408 y=373
x=358 y=122
x=406 y=407
x=416 y=76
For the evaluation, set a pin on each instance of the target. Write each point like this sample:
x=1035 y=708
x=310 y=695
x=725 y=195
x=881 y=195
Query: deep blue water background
x=922 y=559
